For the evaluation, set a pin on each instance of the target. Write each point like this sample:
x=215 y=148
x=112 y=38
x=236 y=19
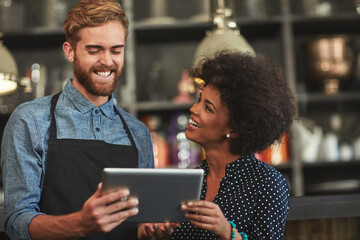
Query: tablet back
x=160 y=191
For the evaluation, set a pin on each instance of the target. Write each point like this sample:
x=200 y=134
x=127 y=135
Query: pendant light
x=225 y=33
x=8 y=71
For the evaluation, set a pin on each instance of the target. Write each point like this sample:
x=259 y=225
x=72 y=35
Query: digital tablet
x=160 y=191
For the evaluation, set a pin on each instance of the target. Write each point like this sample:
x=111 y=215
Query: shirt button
x=96 y=111
x=97 y=129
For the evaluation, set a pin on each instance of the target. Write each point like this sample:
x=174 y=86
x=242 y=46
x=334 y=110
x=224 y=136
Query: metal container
x=330 y=61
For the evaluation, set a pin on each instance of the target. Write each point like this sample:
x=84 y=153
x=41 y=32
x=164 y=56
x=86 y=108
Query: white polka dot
x=253 y=195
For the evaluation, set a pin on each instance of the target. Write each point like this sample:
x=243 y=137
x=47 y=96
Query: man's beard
x=91 y=86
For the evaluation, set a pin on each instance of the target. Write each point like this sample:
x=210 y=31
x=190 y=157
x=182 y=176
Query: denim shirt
x=24 y=147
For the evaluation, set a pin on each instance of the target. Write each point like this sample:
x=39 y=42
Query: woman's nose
x=193 y=108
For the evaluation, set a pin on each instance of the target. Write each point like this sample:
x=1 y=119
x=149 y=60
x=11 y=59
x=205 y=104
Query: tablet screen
x=160 y=191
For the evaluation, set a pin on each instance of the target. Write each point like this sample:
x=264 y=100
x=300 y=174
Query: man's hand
x=100 y=214
x=103 y=212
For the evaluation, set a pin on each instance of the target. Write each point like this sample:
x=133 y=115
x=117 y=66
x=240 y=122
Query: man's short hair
x=92 y=13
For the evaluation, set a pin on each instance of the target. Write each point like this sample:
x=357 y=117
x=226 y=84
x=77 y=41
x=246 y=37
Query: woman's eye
x=208 y=108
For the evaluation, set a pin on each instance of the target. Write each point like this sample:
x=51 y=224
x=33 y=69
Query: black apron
x=73 y=171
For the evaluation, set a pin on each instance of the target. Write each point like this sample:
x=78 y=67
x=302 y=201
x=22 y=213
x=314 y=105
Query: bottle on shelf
x=184 y=153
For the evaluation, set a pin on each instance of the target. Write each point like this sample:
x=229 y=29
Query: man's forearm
x=56 y=227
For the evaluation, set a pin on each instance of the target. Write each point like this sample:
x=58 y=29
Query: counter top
x=329 y=206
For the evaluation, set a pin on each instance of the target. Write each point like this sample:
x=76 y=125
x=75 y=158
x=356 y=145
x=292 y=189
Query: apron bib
x=73 y=171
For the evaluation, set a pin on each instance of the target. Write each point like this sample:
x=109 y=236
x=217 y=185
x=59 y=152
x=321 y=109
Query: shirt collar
x=83 y=105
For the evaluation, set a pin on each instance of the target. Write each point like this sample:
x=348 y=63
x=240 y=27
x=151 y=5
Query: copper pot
x=330 y=61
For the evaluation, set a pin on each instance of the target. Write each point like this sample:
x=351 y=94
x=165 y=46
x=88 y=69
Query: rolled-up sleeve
x=22 y=171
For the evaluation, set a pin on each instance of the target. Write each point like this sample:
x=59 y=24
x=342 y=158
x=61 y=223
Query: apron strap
x=126 y=127
x=54 y=99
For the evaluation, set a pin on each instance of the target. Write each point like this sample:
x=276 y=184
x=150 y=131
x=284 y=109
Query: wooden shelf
x=353 y=96
x=278 y=37
x=162 y=106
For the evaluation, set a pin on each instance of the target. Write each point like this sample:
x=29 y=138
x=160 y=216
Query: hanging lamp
x=8 y=71
x=225 y=33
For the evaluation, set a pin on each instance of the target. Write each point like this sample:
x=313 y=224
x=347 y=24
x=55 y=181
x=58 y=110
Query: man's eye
x=93 y=52
x=116 y=52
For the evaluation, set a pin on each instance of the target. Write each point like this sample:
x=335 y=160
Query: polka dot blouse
x=253 y=195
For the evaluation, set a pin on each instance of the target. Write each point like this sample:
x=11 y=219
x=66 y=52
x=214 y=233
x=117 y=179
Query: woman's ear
x=69 y=51
x=231 y=134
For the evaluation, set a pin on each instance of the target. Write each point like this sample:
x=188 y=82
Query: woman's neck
x=218 y=160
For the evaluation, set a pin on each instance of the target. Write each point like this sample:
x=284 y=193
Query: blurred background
x=316 y=42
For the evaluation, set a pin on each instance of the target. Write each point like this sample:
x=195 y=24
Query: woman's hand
x=207 y=215
x=147 y=231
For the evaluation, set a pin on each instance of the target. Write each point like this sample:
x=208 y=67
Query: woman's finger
x=211 y=212
x=202 y=225
x=149 y=231
x=169 y=228
x=201 y=218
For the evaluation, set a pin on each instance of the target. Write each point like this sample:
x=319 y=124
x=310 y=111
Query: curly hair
x=261 y=106
x=92 y=13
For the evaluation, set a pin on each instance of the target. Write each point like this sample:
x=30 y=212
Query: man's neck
x=96 y=100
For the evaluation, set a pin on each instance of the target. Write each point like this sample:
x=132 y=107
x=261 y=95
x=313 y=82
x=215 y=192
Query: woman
x=244 y=106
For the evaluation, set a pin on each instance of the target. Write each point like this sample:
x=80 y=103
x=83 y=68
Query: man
x=54 y=148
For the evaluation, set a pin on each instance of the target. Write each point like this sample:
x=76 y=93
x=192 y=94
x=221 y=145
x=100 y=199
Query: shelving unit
x=169 y=48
